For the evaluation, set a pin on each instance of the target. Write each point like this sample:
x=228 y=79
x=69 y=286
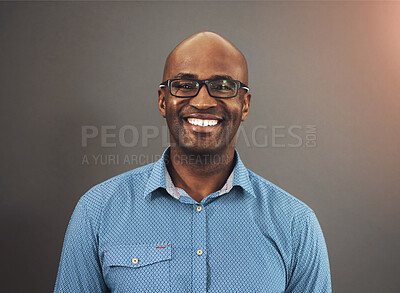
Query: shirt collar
x=160 y=178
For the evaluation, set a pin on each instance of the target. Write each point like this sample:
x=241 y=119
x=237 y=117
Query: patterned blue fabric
x=128 y=234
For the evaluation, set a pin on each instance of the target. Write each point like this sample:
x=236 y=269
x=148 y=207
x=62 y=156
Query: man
x=196 y=220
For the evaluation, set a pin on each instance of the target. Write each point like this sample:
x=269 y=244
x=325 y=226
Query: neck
x=200 y=174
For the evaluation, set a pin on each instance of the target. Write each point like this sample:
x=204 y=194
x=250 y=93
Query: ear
x=161 y=101
x=246 y=105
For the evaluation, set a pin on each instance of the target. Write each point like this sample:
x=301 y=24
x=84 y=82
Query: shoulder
x=276 y=202
x=127 y=179
x=117 y=189
x=275 y=197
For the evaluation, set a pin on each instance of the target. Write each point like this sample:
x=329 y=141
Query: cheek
x=172 y=108
x=235 y=111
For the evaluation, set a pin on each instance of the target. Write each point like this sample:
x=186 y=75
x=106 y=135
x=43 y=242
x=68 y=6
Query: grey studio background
x=324 y=121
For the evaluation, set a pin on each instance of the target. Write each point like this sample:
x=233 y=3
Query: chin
x=202 y=149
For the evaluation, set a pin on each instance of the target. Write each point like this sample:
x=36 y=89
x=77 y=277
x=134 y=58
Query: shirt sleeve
x=310 y=270
x=80 y=269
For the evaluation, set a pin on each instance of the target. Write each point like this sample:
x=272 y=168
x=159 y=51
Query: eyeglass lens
x=218 y=88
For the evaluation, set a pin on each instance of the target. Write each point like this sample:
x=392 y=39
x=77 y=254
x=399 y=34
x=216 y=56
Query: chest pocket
x=138 y=268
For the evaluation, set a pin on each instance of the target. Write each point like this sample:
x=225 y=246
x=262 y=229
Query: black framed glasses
x=217 y=88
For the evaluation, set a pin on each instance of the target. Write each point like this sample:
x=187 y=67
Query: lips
x=204 y=123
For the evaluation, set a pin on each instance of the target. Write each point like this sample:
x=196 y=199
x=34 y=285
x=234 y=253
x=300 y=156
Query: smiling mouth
x=202 y=122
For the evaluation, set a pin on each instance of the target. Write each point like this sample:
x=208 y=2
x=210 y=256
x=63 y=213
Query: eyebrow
x=183 y=75
x=221 y=77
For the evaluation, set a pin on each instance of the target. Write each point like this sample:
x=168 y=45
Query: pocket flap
x=138 y=255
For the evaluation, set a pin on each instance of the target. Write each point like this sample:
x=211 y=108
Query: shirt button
x=199 y=252
x=135 y=260
x=199 y=208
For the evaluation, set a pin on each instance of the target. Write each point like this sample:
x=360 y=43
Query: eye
x=223 y=85
x=184 y=85
x=187 y=86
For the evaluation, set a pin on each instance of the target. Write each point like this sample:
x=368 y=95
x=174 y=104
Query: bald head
x=204 y=55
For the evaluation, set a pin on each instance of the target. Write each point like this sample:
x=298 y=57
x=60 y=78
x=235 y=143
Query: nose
x=203 y=100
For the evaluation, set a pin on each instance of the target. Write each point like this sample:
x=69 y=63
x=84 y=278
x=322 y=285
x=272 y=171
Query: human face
x=182 y=114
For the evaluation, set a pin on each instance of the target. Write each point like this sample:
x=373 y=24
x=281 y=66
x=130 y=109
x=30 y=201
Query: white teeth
x=202 y=122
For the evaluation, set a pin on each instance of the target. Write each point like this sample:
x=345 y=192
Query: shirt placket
x=199 y=251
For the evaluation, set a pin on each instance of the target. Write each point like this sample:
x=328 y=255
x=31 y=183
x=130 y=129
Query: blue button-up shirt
x=133 y=233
